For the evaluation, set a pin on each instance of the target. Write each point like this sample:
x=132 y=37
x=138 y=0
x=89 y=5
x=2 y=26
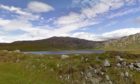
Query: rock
x=119 y=58
x=107 y=63
x=102 y=73
x=86 y=59
x=137 y=65
x=118 y=65
x=58 y=65
x=126 y=74
x=95 y=81
x=138 y=69
x=64 y=56
x=89 y=74
x=110 y=82
x=60 y=77
x=17 y=51
x=124 y=63
x=82 y=73
x=95 y=71
x=107 y=77
x=131 y=66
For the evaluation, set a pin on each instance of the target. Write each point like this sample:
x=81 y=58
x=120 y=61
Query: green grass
x=16 y=74
x=18 y=68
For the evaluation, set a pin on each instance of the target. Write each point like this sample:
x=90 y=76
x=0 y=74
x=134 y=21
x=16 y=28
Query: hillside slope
x=54 y=43
x=131 y=42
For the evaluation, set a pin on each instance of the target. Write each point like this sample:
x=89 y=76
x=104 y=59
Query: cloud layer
x=92 y=12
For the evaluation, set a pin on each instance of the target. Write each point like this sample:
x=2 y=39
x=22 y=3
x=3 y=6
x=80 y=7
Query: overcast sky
x=87 y=19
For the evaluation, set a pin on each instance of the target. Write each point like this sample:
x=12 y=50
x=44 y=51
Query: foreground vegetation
x=106 y=68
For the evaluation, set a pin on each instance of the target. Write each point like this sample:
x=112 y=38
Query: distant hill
x=54 y=43
x=131 y=42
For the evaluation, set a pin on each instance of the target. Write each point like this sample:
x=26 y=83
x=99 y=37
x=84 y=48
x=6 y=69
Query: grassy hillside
x=129 y=43
x=18 y=68
x=54 y=43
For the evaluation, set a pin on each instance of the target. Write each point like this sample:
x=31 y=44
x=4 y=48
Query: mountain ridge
x=53 y=43
x=69 y=43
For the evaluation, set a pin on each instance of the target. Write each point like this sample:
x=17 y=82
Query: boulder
x=119 y=58
x=107 y=77
x=118 y=65
x=107 y=63
x=126 y=74
x=110 y=82
x=137 y=65
x=64 y=56
x=17 y=51
x=131 y=66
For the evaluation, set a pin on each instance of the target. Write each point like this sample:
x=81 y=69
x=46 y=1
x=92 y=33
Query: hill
x=54 y=43
x=131 y=42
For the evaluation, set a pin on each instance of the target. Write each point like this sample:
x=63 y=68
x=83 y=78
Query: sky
x=95 y=20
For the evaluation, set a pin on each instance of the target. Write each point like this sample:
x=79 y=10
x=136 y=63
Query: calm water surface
x=66 y=52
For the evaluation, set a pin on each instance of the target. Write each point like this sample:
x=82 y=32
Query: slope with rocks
x=131 y=42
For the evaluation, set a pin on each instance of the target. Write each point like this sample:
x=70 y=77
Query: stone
x=82 y=73
x=64 y=56
x=126 y=74
x=60 y=77
x=138 y=69
x=107 y=63
x=95 y=81
x=131 y=66
x=107 y=77
x=110 y=82
x=102 y=73
x=124 y=63
x=58 y=65
x=119 y=58
x=95 y=71
x=89 y=74
x=118 y=65
x=137 y=65
x=17 y=51
x=86 y=59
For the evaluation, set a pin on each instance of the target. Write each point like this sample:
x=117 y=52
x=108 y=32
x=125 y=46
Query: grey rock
x=119 y=58
x=64 y=56
x=137 y=65
x=126 y=74
x=107 y=63
x=118 y=65
x=131 y=66
x=17 y=51
x=95 y=81
x=124 y=63
x=110 y=82
x=107 y=77
x=138 y=69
